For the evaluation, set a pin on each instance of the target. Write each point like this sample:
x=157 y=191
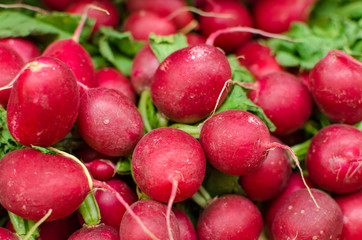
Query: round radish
x=187 y=230
x=336 y=85
x=25 y=48
x=96 y=232
x=7 y=235
x=188 y=83
x=334 y=158
x=101 y=169
x=109 y=122
x=231 y=217
x=299 y=218
x=32 y=183
x=43 y=104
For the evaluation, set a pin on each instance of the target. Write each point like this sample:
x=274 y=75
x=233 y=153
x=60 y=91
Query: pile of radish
x=180 y=120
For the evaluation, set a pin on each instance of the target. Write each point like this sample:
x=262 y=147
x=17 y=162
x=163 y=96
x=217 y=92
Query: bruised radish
x=231 y=217
x=334 y=158
x=32 y=183
x=336 y=86
x=284 y=99
x=96 y=232
x=187 y=230
x=109 y=122
x=112 y=78
x=25 y=48
x=44 y=103
x=7 y=235
x=188 y=83
x=152 y=214
x=234 y=14
x=299 y=218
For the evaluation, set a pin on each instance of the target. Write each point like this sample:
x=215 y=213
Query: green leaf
x=162 y=46
x=43 y=150
x=239 y=72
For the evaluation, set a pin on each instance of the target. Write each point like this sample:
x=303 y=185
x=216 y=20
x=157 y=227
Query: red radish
x=112 y=78
x=334 y=158
x=187 y=230
x=143 y=68
x=284 y=99
x=110 y=208
x=96 y=232
x=32 y=183
x=44 y=103
x=271 y=178
x=7 y=235
x=194 y=39
x=276 y=16
x=101 y=169
x=60 y=229
x=25 y=48
x=10 y=65
x=188 y=83
x=299 y=218
x=110 y=17
x=142 y=23
x=152 y=214
x=351 y=206
x=236 y=14
x=109 y=122
x=231 y=217
x=57 y=5
x=88 y=154
x=258 y=59
x=336 y=86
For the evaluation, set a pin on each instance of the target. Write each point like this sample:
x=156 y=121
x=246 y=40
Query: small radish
x=7 y=235
x=44 y=103
x=231 y=217
x=109 y=122
x=336 y=85
x=96 y=232
x=299 y=218
x=334 y=158
x=152 y=214
x=25 y=48
x=112 y=78
x=101 y=169
x=187 y=84
x=187 y=230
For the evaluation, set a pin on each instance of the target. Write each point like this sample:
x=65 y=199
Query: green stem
x=89 y=210
x=123 y=167
x=359 y=125
x=142 y=107
x=199 y=200
x=18 y=223
x=205 y=193
x=301 y=149
x=193 y=130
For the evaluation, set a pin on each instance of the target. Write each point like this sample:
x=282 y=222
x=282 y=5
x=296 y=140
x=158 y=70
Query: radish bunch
x=179 y=120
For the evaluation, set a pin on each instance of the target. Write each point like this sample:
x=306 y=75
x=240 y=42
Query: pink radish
x=336 y=86
x=194 y=39
x=187 y=230
x=7 y=235
x=101 y=169
x=231 y=217
x=25 y=48
x=44 y=103
x=96 y=232
x=194 y=78
x=334 y=158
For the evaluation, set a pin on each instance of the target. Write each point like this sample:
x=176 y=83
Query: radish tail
x=37 y=224
x=169 y=206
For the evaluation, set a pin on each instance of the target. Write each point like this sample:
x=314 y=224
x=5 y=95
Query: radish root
x=36 y=225
x=169 y=206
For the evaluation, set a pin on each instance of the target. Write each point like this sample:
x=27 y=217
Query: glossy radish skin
x=235 y=141
x=271 y=178
x=75 y=57
x=299 y=218
x=43 y=104
x=25 y=48
x=284 y=99
x=351 y=206
x=187 y=230
x=258 y=59
x=187 y=84
x=334 y=158
x=112 y=78
x=96 y=232
x=231 y=217
x=7 y=235
x=33 y=182
x=144 y=66
x=109 y=122
x=10 y=65
x=109 y=206
x=167 y=154
x=336 y=85
x=101 y=169
x=152 y=214
x=239 y=16
x=141 y=24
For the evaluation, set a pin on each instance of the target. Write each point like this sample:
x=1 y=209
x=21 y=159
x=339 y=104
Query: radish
x=334 y=158
x=101 y=169
x=279 y=94
x=152 y=213
x=112 y=78
x=96 y=232
x=57 y=5
x=33 y=183
x=187 y=230
x=88 y=154
x=299 y=218
x=109 y=122
x=336 y=86
x=194 y=39
x=351 y=206
x=43 y=104
x=235 y=15
x=7 y=235
x=230 y=217
x=271 y=178
x=25 y=48
x=187 y=84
